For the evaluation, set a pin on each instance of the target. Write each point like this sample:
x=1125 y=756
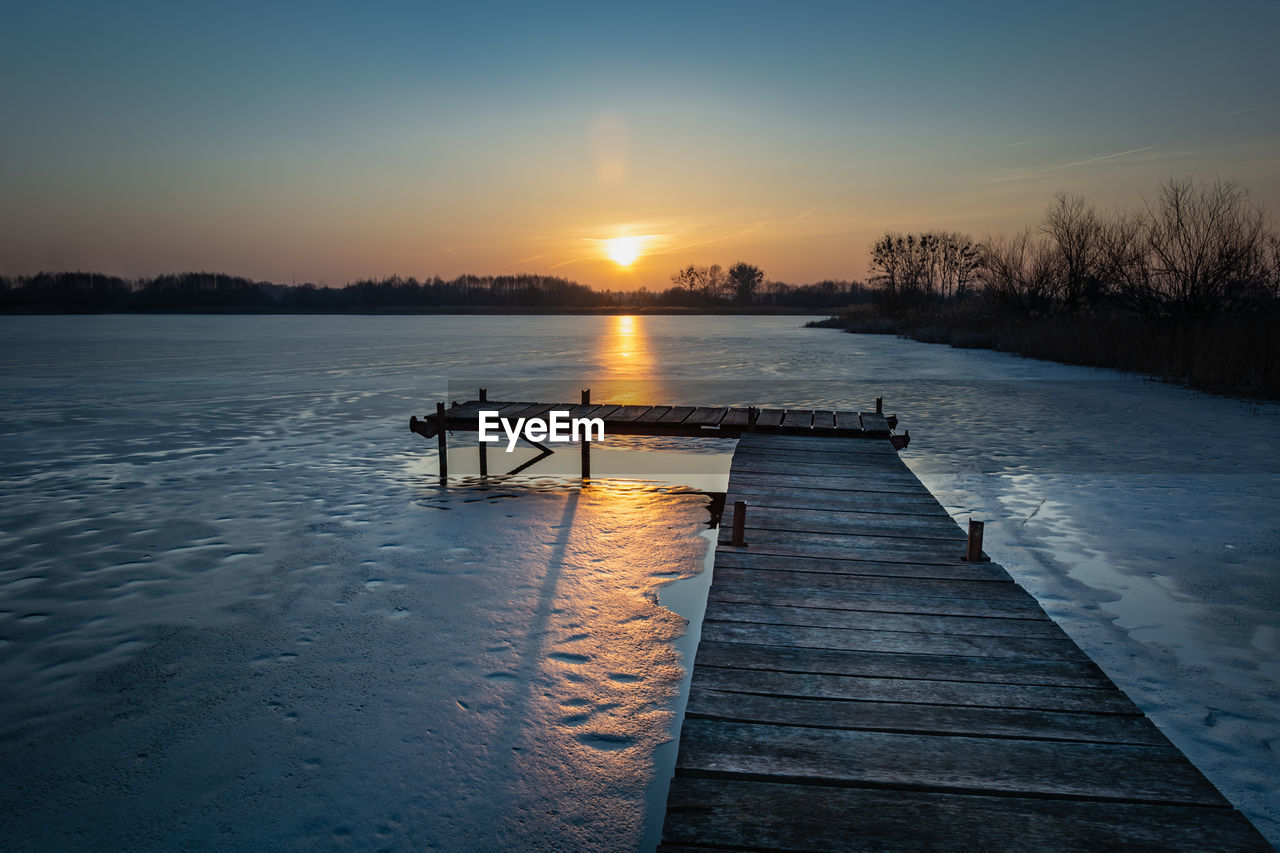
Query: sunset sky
x=329 y=142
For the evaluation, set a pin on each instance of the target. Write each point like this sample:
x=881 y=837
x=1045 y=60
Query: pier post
x=484 y=395
x=484 y=459
x=879 y=405
x=752 y=414
x=443 y=442
x=739 y=524
x=973 y=553
x=586 y=442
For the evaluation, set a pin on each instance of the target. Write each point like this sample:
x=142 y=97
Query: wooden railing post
x=973 y=553
x=739 y=524
x=586 y=440
x=443 y=441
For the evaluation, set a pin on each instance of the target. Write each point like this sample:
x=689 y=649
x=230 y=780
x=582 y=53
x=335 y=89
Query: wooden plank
x=652 y=416
x=785 y=543
x=924 y=719
x=823 y=420
x=737 y=814
x=706 y=416
x=873 y=422
x=949 y=569
x=792 y=580
x=775 y=614
x=605 y=412
x=508 y=410
x=747 y=479
x=898 y=503
x=581 y=411
x=769 y=418
x=848 y=421
x=917 y=673
x=802 y=685
x=803 y=636
x=798 y=419
x=838 y=504
x=850 y=522
x=676 y=415
x=731 y=586
x=734 y=417
x=827 y=468
x=966 y=764
x=626 y=414
x=468 y=411
x=848 y=451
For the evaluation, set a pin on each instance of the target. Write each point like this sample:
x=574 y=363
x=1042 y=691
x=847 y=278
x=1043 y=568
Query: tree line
x=88 y=292
x=1193 y=250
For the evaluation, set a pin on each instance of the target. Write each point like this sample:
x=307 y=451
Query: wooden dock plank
x=801 y=685
x=706 y=416
x=840 y=506
x=746 y=814
x=651 y=417
x=848 y=521
x=908 y=717
x=626 y=414
x=676 y=415
x=735 y=417
x=853 y=639
x=874 y=423
x=849 y=564
x=798 y=419
x=786 y=543
x=770 y=418
x=848 y=421
x=971 y=765
x=884 y=621
x=824 y=421
x=910 y=667
x=854 y=596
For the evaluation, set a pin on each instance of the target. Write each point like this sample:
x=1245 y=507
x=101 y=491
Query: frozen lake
x=237 y=611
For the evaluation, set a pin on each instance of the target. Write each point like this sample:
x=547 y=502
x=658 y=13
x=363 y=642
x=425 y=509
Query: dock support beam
x=739 y=524
x=443 y=442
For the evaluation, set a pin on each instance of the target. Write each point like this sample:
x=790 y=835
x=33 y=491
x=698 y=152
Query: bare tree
x=1019 y=272
x=1124 y=264
x=1207 y=244
x=1076 y=234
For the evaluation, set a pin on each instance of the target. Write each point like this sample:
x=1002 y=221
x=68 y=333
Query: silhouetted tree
x=745 y=279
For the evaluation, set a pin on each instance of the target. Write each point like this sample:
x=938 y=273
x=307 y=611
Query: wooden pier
x=860 y=686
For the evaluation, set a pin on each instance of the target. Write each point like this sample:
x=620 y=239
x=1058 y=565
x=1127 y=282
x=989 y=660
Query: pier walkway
x=858 y=686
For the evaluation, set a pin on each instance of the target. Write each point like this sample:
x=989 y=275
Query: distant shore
x=1236 y=355
x=606 y=310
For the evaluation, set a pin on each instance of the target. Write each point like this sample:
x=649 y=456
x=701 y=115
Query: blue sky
x=329 y=142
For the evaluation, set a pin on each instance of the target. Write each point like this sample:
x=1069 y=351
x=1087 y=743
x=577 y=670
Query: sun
x=623 y=251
